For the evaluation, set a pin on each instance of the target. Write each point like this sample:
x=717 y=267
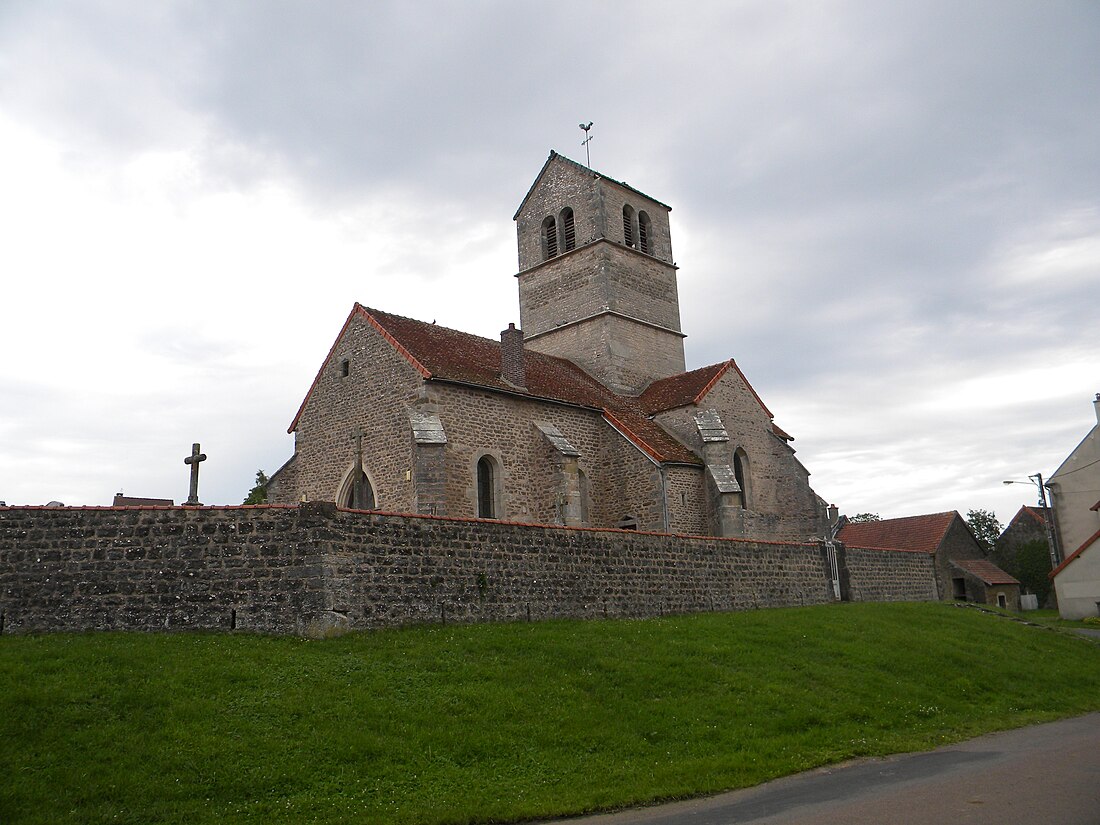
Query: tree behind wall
x=1033 y=567
x=985 y=527
x=258 y=494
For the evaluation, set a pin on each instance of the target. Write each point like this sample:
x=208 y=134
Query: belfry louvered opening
x=644 y=233
x=568 y=229
x=549 y=237
x=628 y=225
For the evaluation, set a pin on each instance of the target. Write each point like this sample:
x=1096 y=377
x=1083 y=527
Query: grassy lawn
x=503 y=722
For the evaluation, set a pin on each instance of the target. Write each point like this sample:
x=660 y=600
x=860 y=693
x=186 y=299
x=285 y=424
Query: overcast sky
x=888 y=213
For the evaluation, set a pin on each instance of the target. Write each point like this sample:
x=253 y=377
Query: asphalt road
x=1040 y=775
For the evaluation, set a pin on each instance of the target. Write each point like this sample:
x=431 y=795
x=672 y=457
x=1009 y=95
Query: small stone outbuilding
x=948 y=539
x=985 y=583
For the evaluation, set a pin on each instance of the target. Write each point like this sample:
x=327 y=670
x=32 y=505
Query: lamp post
x=1048 y=515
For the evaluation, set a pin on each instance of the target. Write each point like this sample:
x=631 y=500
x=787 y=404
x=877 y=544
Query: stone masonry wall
x=889 y=575
x=170 y=568
x=315 y=570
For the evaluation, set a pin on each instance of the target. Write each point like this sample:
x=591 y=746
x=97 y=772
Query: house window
x=549 y=238
x=645 y=227
x=345 y=368
x=628 y=225
x=486 y=488
x=568 y=229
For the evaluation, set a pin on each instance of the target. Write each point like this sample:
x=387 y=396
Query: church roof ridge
x=445 y=354
x=587 y=169
x=691 y=387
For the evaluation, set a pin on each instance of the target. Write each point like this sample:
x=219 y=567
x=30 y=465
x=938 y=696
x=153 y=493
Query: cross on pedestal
x=193 y=460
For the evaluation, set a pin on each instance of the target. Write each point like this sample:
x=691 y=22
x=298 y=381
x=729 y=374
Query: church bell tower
x=597 y=284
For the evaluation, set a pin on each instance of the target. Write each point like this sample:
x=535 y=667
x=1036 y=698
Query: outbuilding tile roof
x=985 y=570
x=918 y=533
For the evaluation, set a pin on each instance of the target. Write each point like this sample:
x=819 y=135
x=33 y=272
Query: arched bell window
x=568 y=230
x=645 y=232
x=628 y=226
x=549 y=238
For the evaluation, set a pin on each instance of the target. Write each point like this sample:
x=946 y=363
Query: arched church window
x=486 y=488
x=645 y=227
x=357 y=494
x=549 y=238
x=740 y=472
x=568 y=229
x=628 y=225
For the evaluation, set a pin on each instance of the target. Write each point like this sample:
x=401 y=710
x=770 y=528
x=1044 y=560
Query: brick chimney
x=511 y=357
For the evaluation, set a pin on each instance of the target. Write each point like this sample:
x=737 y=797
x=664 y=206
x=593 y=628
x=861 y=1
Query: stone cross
x=193 y=460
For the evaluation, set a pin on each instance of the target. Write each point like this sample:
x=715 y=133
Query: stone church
x=585 y=416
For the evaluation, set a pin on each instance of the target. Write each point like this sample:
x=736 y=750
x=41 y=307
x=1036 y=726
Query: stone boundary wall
x=315 y=570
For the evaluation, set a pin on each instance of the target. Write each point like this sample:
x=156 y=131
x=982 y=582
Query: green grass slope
x=503 y=722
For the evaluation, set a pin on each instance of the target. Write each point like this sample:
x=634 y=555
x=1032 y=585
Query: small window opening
x=345 y=368
x=644 y=227
x=486 y=488
x=568 y=229
x=550 y=237
x=959 y=588
x=628 y=522
x=1001 y=600
x=628 y=226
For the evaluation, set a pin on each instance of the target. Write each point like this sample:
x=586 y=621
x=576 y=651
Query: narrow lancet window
x=486 y=488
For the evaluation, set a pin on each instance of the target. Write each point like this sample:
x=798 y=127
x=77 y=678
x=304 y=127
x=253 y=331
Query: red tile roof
x=444 y=354
x=1034 y=512
x=987 y=571
x=918 y=533
x=692 y=387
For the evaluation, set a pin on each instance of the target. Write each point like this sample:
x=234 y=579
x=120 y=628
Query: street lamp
x=1048 y=515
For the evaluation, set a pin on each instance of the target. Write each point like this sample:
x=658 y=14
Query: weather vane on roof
x=587 y=137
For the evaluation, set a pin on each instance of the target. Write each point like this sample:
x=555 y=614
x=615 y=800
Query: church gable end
x=365 y=385
x=771 y=484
